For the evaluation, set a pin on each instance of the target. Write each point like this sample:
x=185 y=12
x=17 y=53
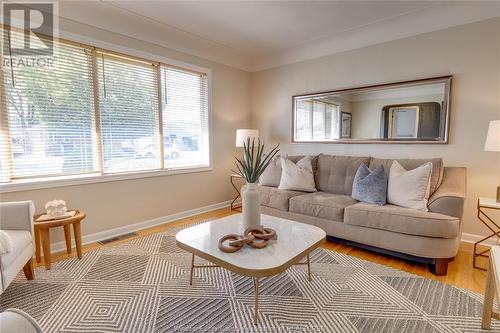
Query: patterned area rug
x=143 y=286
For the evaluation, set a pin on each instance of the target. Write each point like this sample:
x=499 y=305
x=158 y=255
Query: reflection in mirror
x=318 y=119
x=411 y=111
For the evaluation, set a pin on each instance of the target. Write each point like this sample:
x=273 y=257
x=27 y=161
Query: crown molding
x=442 y=16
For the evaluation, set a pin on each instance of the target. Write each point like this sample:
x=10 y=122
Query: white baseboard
x=95 y=237
x=472 y=238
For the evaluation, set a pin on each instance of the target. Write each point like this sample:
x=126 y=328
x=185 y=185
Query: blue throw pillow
x=370 y=186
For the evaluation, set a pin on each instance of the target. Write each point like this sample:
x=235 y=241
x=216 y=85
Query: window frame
x=25 y=184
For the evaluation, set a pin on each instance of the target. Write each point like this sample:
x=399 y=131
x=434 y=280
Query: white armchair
x=15 y=320
x=16 y=219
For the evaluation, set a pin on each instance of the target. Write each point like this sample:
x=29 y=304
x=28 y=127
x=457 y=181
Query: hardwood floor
x=460 y=271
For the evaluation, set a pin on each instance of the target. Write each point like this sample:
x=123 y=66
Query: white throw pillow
x=409 y=189
x=297 y=176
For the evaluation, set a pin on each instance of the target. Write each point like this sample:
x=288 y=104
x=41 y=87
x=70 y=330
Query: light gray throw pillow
x=370 y=186
x=272 y=175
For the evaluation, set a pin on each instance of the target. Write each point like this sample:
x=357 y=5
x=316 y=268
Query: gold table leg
x=492 y=226
x=233 y=206
x=191 y=272
x=256 y=290
x=255 y=282
x=309 y=276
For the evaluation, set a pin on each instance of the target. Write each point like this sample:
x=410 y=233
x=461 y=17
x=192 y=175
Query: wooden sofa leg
x=440 y=267
x=29 y=271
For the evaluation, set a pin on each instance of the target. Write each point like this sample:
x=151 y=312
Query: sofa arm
x=450 y=196
x=17 y=215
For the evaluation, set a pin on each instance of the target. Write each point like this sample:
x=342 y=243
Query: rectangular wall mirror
x=404 y=112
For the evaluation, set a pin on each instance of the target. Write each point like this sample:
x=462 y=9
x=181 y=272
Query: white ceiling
x=254 y=35
x=259 y=28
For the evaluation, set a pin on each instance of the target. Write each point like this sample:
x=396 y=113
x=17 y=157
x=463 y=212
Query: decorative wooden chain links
x=255 y=237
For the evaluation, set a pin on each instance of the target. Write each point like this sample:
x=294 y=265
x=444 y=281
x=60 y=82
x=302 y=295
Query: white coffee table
x=294 y=242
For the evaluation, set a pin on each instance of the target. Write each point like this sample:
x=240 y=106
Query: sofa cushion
x=275 y=198
x=335 y=174
x=272 y=175
x=321 y=204
x=402 y=220
x=20 y=240
x=410 y=164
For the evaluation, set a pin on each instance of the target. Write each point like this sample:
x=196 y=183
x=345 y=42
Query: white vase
x=251 y=206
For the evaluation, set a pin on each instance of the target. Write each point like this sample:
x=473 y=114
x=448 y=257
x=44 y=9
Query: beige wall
x=471 y=53
x=115 y=204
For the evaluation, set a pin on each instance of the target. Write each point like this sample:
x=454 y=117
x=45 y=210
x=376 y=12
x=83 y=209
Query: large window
x=97 y=112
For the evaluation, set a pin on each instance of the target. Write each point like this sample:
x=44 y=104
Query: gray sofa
x=431 y=237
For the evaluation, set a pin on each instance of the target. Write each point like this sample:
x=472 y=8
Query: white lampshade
x=493 y=138
x=242 y=136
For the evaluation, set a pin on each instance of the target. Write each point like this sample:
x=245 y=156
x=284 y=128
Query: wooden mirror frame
x=446 y=107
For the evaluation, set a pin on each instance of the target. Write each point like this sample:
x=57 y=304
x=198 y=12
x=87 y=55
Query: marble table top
x=489 y=203
x=294 y=241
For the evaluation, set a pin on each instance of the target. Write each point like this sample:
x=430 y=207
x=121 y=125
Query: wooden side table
x=42 y=235
x=483 y=205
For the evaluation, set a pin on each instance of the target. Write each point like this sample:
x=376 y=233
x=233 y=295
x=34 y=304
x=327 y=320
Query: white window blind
x=99 y=112
x=50 y=116
x=332 y=129
x=185 y=118
x=303 y=120
x=316 y=120
x=319 y=112
x=128 y=102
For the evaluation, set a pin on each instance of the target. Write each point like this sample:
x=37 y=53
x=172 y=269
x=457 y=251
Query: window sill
x=41 y=183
